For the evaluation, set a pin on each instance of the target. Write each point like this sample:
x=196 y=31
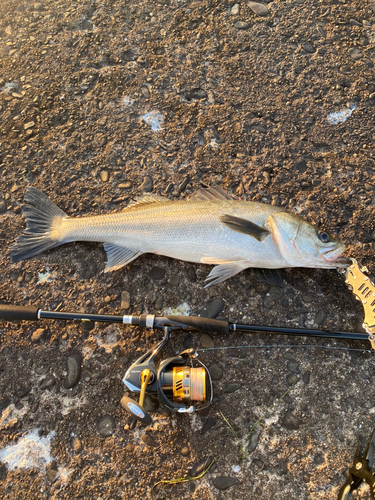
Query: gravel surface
x=101 y=101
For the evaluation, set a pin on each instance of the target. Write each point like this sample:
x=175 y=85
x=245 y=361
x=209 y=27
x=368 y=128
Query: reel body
x=182 y=383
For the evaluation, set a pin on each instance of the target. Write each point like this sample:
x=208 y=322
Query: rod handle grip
x=202 y=324
x=10 y=312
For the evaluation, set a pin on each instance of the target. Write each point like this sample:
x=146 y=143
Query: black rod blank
x=32 y=313
x=327 y=334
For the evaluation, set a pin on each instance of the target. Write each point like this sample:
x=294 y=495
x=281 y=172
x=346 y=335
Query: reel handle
x=10 y=312
x=136 y=410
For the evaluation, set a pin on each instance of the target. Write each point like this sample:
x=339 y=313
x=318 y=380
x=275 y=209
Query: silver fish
x=210 y=228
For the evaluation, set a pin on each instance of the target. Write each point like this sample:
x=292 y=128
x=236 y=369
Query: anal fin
x=118 y=256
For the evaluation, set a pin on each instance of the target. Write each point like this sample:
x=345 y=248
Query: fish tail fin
x=43 y=219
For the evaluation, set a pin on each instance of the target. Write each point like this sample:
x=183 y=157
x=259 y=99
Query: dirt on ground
x=102 y=101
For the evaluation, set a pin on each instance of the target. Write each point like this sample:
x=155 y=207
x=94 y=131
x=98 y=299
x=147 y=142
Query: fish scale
x=210 y=228
x=157 y=228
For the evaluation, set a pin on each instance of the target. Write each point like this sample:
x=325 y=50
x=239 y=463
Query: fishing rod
x=183 y=383
x=191 y=323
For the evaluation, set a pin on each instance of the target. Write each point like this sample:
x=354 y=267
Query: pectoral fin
x=244 y=226
x=118 y=256
x=224 y=271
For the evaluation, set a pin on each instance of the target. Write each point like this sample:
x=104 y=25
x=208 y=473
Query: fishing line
x=284 y=345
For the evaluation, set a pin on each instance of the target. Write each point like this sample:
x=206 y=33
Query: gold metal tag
x=364 y=290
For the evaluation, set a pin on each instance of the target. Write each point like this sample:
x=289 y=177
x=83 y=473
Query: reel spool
x=182 y=383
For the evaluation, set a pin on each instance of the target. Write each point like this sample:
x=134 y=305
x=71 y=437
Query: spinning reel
x=182 y=383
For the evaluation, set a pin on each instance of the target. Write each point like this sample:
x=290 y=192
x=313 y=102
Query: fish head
x=302 y=245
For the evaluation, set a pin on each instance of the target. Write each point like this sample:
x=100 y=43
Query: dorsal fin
x=212 y=193
x=146 y=199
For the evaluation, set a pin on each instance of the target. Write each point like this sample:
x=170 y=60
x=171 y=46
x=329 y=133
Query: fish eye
x=324 y=237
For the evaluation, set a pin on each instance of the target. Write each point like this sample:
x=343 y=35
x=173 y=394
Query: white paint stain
x=180 y=310
x=154 y=119
x=46 y=277
x=214 y=144
x=108 y=338
x=9 y=86
x=341 y=116
x=11 y=416
x=31 y=452
x=236 y=469
x=127 y=101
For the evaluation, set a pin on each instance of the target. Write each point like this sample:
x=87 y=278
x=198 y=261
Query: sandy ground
x=101 y=101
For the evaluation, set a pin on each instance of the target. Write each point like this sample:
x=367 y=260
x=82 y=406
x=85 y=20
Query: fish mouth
x=333 y=256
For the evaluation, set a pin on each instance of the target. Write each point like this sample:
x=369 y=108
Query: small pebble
x=86 y=377
x=149 y=440
x=200 y=467
x=216 y=372
x=49 y=381
x=159 y=301
x=106 y=426
x=73 y=368
x=233 y=387
x=145 y=92
x=23 y=391
x=290 y=421
x=191 y=274
x=235 y=10
x=157 y=273
x=320 y=317
x=209 y=423
x=268 y=302
x=355 y=53
x=146 y=185
x=125 y=299
x=205 y=341
x=307 y=47
x=237 y=353
x=99 y=141
x=174 y=280
x=77 y=445
x=241 y=25
x=224 y=482
x=253 y=440
x=291 y=379
x=104 y=176
x=185 y=451
x=212 y=309
x=258 y=8
x=183 y=184
x=293 y=366
x=38 y=335
x=289 y=355
x=306 y=377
